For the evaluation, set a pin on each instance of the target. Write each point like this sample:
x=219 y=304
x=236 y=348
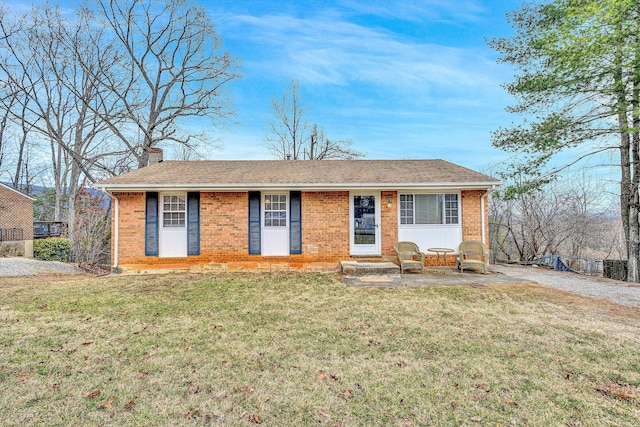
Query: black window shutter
x=193 y=223
x=254 y=222
x=151 y=225
x=295 y=222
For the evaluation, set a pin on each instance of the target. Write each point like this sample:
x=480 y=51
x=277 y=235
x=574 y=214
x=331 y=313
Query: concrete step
x=368 y=268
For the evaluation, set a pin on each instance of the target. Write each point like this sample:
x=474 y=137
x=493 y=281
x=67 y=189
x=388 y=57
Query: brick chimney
x=155 y=156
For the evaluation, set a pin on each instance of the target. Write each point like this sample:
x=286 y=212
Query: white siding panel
x=275 y=241
x=173 y=242
x=431 y=236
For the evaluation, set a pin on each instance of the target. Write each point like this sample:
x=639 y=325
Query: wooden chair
x=410 y=256
x=472 y=256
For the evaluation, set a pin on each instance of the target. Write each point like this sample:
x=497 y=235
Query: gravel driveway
x=13 y=267
x=597 y=287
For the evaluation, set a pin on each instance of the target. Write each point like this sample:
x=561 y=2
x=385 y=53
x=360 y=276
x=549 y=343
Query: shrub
x=92 y=234
x=52 y=249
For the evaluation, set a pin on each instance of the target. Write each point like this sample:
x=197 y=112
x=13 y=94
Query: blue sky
x=401 y=79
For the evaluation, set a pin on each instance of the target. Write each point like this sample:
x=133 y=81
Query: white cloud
x=375 y=85
x=418 y=10
x=326 y=49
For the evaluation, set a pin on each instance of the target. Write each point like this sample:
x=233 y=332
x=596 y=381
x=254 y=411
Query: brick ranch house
x=16 y=223
x=291 y=213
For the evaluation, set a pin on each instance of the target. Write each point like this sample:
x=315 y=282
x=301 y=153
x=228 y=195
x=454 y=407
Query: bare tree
x=323 y=148
x=91 y=244
x=58 y=99
x=287 y=128
x=100 y=86
x=291 y=136
x=7 y=101
x=170 y=67
x=569 y=217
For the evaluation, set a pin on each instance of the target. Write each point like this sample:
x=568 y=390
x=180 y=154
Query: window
x=275 y=210
x=428 y=209
x=173 y=211
x=406 y=209
x=451 y=208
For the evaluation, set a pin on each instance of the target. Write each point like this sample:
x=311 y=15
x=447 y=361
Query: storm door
x=365 y=223
x=173 y=227
x=275 y=224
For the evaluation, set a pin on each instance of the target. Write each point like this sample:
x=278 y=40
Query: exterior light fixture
x=389 y=202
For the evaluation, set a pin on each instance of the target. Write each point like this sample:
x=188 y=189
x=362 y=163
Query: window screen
x=428 y=209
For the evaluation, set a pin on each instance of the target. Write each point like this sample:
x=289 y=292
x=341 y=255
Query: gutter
x=299 y=186
x=482 y=208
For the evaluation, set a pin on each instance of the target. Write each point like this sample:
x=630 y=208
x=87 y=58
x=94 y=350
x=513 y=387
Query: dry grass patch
x=303 y=349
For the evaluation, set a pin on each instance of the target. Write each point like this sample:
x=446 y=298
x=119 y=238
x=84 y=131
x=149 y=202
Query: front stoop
x=364 y=268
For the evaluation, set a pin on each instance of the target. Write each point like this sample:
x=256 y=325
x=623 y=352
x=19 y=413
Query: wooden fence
x=44 y=229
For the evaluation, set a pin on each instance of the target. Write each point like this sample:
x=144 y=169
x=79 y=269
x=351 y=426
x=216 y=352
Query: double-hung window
x=429 y=209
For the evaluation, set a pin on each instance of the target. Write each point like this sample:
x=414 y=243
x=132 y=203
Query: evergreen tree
x=578 y=85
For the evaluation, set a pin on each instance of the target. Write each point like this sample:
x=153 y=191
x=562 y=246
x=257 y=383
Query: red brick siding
x=389 y=218
x=325 y=225
x=16 y=211
x=224 y=229
x=472 y=216
x=131 y=214
x=224 y=224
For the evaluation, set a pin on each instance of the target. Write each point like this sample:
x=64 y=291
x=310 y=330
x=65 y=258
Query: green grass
x=303 y=349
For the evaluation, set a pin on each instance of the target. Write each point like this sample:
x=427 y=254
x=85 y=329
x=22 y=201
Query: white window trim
x=444 y=224
x=286 y=209
x=162 y=211
x=274 y=238
x=366 y=250
x=164 y=232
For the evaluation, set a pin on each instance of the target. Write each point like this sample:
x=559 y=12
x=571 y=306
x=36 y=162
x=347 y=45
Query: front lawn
x=303 y=349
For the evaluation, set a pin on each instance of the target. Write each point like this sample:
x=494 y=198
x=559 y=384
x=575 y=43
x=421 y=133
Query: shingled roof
x=15 y=191
x=298 y=174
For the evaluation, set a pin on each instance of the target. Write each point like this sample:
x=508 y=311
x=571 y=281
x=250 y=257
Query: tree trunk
x=72 y=203
x=56 y=163
x=633 y=275
x=23 y=143
x=626 y=186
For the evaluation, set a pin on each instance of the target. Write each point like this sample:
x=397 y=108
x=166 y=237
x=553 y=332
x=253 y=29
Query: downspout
x=482 y=216
x=116 y=233
x=482 y=226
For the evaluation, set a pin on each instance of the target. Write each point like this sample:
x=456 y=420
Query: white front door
x=365 y=223
x=173 y=225
x=275 y=224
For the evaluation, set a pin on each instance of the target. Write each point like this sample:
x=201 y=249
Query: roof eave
x=299 y=186
x=17 y=192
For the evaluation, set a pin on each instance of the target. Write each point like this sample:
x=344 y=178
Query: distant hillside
x=37 y=190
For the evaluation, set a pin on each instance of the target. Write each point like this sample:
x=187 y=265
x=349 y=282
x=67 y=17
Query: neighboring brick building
x=291 y=213
x=16 y=223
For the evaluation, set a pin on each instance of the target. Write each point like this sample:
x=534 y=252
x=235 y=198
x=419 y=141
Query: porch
x=387 y=274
